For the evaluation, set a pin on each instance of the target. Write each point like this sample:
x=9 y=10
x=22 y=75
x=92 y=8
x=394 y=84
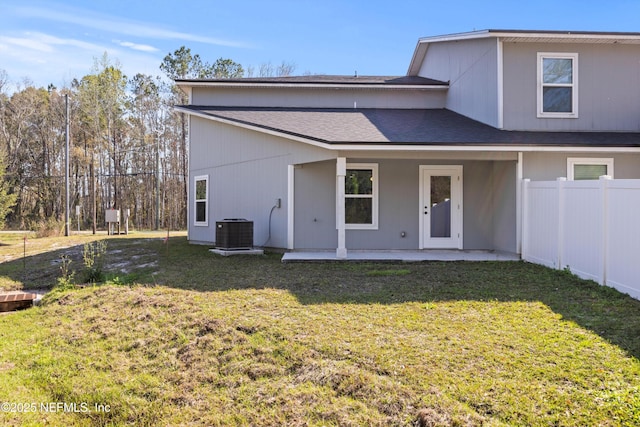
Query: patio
x=401 y=256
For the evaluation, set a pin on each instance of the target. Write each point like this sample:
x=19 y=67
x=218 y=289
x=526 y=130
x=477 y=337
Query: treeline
x=128 y=147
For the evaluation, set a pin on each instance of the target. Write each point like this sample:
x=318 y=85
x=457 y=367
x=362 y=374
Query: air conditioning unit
x=234 y=234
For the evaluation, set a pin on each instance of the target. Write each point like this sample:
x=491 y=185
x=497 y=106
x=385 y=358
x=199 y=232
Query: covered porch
x=404 y=206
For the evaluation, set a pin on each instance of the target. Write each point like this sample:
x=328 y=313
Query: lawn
x=184 y=337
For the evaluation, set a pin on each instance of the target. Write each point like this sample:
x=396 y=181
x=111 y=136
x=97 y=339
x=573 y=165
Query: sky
x=54 y=41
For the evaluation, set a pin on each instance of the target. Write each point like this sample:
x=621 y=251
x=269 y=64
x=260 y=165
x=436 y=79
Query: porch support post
x=605 y=181
x=341 y=172
x=560 y=185
x=524 y=249
x=290 y=205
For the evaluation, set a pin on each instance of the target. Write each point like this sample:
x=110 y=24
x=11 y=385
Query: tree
x=148 y=112
x=7 y=201
x=102 y=97
x=227 y=69
x=182 y=64
x=267 y=69
x=128 y=149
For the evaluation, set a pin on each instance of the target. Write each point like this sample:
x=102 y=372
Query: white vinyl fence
x=590 y=227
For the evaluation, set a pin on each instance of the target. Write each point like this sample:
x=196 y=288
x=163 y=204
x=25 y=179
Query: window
x=558 y=85
x=201 y=184
x=588 y=168
x=361 y=196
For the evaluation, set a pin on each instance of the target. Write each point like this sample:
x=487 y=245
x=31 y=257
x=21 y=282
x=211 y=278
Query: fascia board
x=488 y=148
x=419 y=54
x=570 y=37
x=312 y=86
x=524 y=35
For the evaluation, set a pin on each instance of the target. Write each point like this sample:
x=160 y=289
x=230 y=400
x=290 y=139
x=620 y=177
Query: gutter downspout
x=341 y=172
x=500 y=83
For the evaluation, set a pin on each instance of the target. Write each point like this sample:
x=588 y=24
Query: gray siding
x=504 y=206
x=398 y=208
x=315 y=206
x=471 y=67
x=486 y=191
x=549 y=166
x=318 y=98
x=247 y=172
x=608 y=87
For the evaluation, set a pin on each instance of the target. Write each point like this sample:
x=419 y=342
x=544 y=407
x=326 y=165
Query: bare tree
x=129 y=149
x=267 y=69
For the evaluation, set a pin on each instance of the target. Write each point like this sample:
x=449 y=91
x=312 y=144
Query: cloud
x=24 y=43
x=120 y=26
x=43 y=58
x=136 y=46
x=33 y=46
x=55 y=43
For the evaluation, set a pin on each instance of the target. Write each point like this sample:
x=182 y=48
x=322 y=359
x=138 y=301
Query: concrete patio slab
x=402 y=256
x=224 y=252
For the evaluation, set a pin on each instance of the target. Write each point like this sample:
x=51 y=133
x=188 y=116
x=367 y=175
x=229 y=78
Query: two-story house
x=433 y=159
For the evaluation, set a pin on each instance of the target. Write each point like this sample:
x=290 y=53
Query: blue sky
x=56 y=41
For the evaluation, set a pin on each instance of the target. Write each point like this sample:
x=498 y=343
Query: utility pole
x=157 y=132
x=66 y=166
x=94 y=203
x=157 y=181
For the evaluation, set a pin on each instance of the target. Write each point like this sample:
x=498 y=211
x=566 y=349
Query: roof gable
x=522 y=36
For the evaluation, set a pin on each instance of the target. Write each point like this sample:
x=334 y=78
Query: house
x=433 y=159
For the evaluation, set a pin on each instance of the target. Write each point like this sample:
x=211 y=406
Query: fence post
x=604 y=200
x=519 y=189
x=560 y=243
x=524 y=250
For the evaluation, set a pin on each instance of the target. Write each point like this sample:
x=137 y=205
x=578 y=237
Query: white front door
x=441 y=207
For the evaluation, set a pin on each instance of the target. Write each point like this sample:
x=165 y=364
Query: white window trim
x=574 y=85
x=204 y=223
x=374 y=204
x=573 y=161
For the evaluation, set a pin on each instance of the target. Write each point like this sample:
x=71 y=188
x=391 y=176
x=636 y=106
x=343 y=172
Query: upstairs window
x=558 y=85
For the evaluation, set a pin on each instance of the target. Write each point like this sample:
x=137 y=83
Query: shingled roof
x=321 y=80
x=401 y=127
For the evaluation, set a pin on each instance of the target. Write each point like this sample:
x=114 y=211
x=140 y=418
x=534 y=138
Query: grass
x=196 y=339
